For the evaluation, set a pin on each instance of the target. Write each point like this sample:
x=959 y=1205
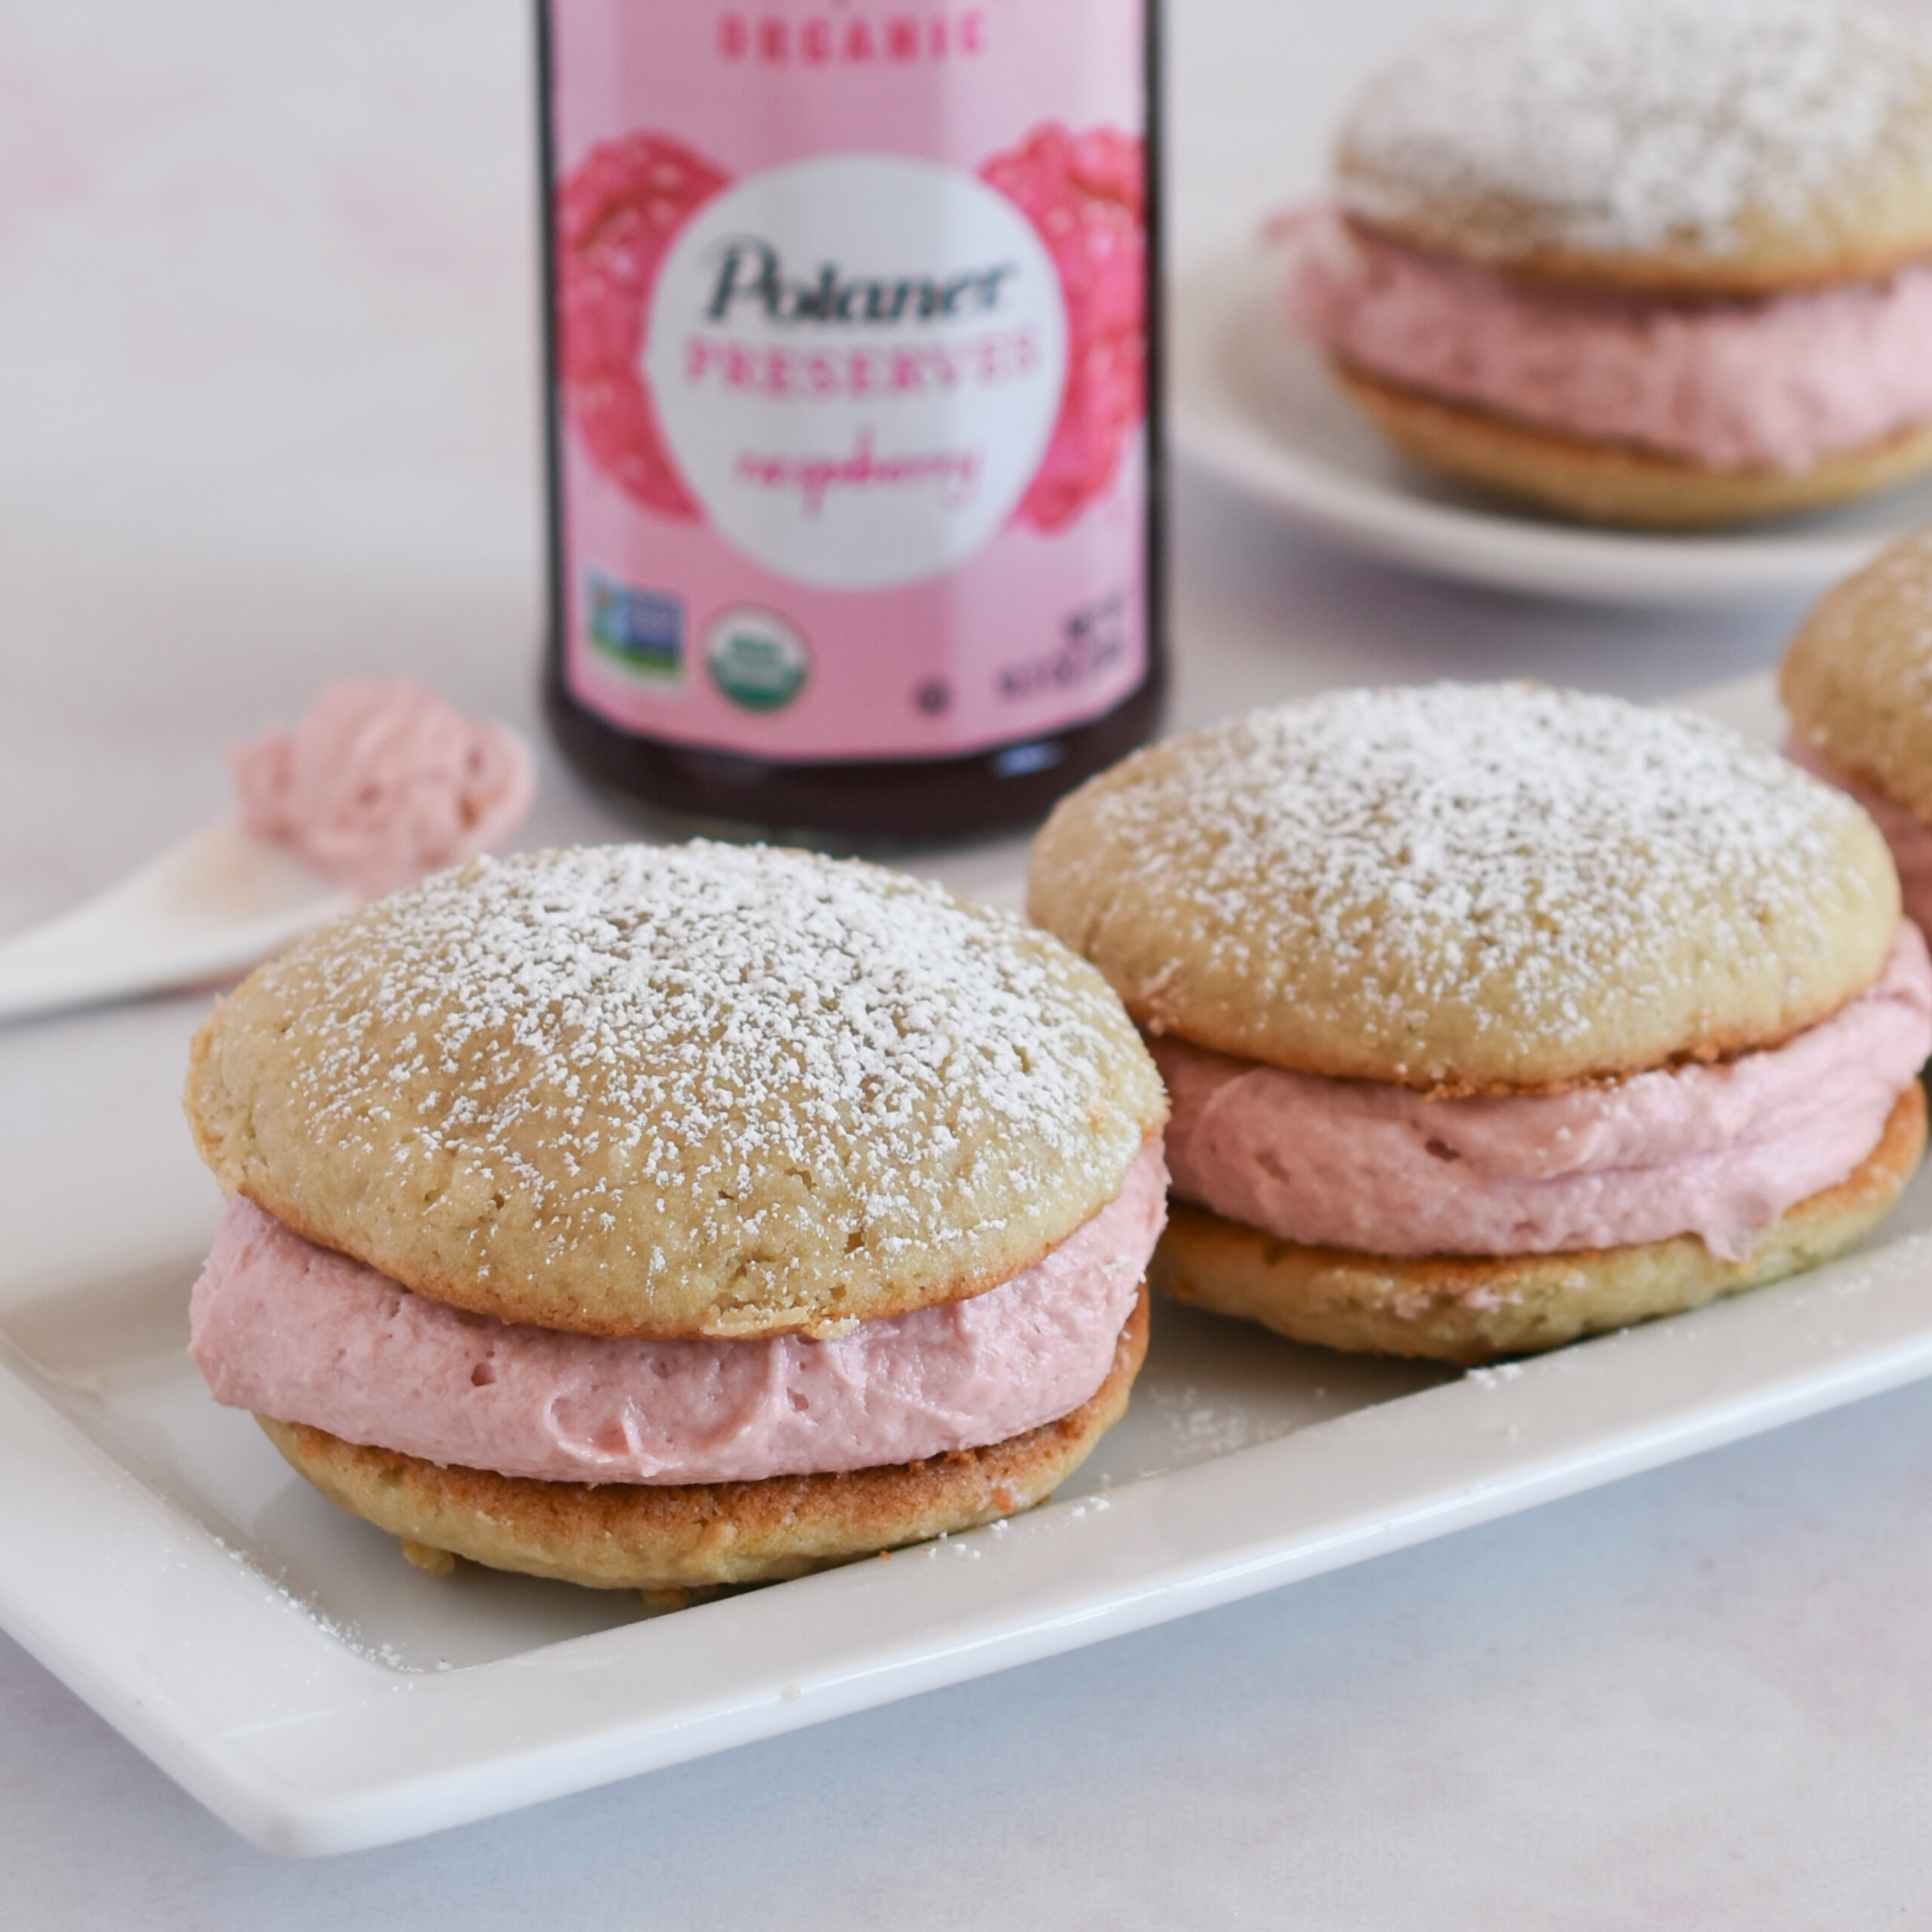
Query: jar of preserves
x=855 y=462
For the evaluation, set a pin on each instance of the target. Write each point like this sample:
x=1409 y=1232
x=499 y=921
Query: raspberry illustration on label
x=615 y=216
x=620 y=214
x=1087 y=195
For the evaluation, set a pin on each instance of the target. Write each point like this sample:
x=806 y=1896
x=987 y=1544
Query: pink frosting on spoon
x=379 y=784
x=302 y=1334
x=1910 y=839
x=1776 y=383
x=1716 y=1150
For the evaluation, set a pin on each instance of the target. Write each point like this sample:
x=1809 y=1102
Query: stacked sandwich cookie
x=1857 y=681
x=1494 y=1017
x=1648 y=262
x=672 y=1217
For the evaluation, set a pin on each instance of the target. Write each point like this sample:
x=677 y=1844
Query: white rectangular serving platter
x=285 y=1665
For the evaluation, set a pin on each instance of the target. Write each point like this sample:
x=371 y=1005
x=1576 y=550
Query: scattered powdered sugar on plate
x=1633 y=124
x=349 y=1633
x=1198 y=1427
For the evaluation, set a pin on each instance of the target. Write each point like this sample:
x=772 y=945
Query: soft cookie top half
x=701 y=1090
x=1469 y=888
x=1676 y=147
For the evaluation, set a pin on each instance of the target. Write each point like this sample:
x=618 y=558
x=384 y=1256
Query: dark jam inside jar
x=876 y=802
x=695 y=778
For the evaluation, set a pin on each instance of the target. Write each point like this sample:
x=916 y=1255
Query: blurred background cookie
x=1644 y=262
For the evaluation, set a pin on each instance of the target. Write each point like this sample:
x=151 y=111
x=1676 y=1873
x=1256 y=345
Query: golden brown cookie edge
x=1894 y=232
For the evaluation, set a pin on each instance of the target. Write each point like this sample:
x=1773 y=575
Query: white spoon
x=212 y=906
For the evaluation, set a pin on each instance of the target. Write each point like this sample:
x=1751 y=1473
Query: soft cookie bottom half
x=672 y=1536
x=1614 y=483
x=1472 y=1308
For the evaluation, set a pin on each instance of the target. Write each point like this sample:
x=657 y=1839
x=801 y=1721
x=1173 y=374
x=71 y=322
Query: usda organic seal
x=755 y=658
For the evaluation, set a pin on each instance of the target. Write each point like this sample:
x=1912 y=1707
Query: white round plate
x=1252 y=405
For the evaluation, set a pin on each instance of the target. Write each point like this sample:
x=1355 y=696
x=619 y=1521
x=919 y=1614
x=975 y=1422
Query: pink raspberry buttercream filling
x=1720 y=1152
x=306 y=1335
x=1777 y=383
x=1909 y=838
x=382 y=783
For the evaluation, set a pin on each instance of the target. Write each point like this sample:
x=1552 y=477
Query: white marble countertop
x=266 y=329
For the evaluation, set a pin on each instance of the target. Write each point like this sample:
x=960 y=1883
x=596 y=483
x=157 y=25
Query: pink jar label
x=852 y=349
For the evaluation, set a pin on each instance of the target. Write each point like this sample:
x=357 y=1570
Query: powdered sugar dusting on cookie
x=770 y=1073
x=1460 y=883
x=1636 y=125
